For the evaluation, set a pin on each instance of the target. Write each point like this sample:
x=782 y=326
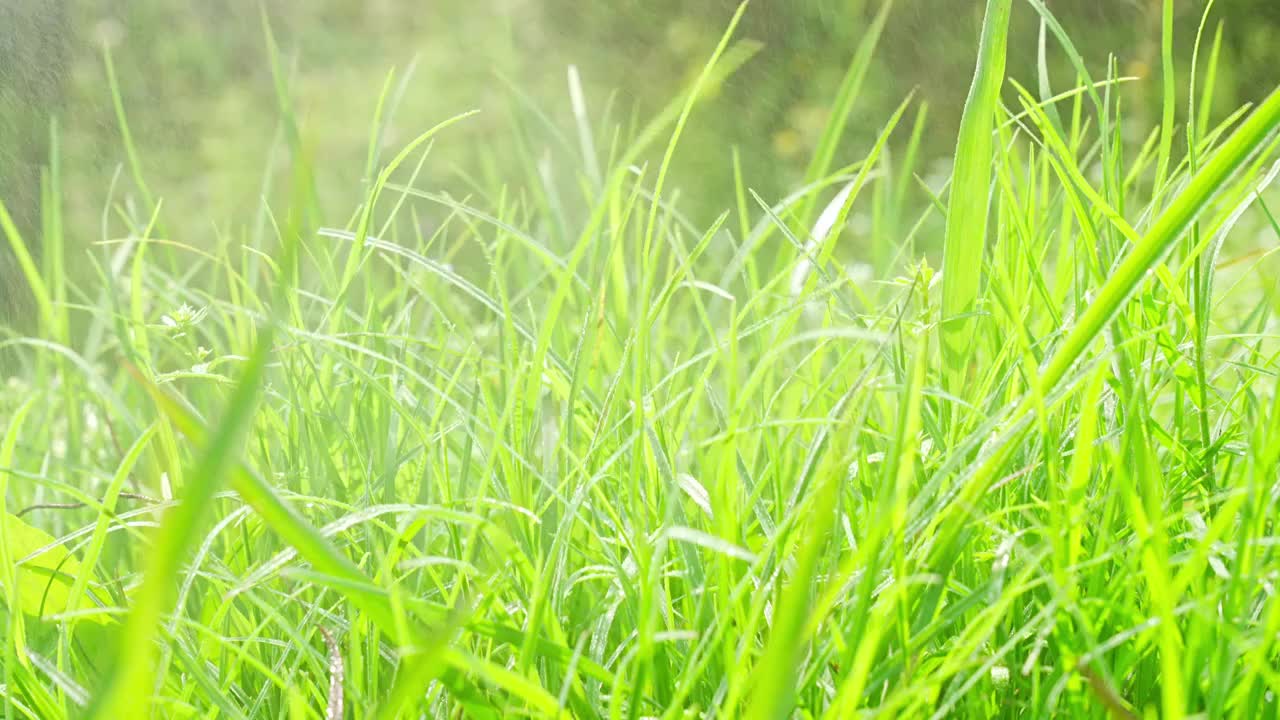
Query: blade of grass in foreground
x=776 y=672
x=281 y=517
x=967 y=210
x=129 y=685
x=1211 y=178
x=1252 y=134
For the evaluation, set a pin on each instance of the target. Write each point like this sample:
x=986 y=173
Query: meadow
x=555 y=445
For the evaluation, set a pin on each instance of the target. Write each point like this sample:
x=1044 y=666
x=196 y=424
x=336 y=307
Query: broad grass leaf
x=44 y=571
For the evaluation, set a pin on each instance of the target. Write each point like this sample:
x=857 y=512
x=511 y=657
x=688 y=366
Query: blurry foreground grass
x=564 y=451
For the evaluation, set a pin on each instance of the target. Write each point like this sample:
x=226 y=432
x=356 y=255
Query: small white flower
x=182 y=319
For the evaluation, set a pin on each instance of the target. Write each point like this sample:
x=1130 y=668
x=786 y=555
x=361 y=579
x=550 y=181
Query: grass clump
x=553 y=449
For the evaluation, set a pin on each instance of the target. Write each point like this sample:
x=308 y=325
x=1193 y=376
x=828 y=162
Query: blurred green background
x=197 y=86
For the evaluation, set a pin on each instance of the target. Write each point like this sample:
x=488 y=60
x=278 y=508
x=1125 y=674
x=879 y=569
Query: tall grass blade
x=128 y=688
x=1213 y=177
x=967 y=209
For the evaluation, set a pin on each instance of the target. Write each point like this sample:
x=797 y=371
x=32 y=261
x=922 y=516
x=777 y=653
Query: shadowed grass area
x=554 y=448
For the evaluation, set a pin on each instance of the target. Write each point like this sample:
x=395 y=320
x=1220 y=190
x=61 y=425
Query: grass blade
x=967 y=209
x=127 y=691
x=1164 y=232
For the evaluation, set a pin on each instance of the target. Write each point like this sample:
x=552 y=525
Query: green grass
x=554 y=449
